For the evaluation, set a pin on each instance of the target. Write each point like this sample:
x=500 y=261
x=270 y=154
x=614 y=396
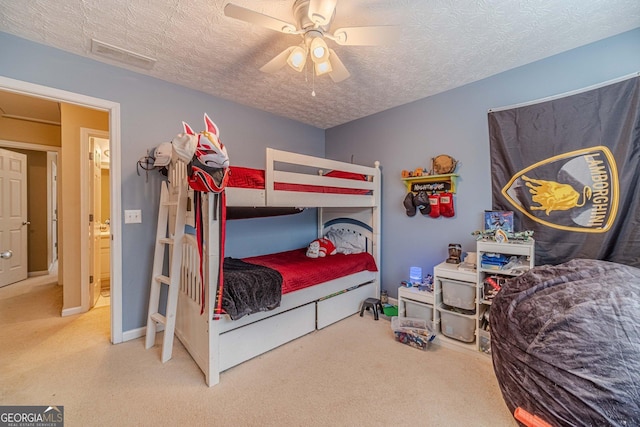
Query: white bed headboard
x=351 y=225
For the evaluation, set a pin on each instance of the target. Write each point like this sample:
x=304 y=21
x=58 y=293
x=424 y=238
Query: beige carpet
x=352 y=373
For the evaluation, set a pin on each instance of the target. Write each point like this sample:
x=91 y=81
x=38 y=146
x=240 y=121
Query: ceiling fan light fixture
x=313 y=19
x=297 y=58
x=319 y=50
x=323 y=68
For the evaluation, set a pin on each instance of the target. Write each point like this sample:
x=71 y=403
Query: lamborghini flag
x=569 y=169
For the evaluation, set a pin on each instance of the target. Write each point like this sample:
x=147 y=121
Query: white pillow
x=347 y=242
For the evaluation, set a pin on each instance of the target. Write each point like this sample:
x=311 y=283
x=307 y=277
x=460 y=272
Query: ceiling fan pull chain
x=313 y=84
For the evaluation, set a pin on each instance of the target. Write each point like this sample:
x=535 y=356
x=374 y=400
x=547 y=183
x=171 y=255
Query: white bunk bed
x=219 y=344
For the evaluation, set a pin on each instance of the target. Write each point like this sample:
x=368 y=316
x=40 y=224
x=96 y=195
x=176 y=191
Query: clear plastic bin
x=484 y=341
x=417 y=333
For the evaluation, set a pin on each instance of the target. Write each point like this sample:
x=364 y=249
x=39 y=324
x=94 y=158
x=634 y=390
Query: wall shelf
x=429 y=183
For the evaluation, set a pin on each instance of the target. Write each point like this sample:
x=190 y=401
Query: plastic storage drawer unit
x=459 y=294
x=458 y=326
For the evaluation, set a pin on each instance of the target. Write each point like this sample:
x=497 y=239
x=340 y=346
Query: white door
x=13 y=217
x=95 y=221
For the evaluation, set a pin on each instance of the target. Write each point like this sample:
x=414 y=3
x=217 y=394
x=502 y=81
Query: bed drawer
x=338 y=307
x=244 y=343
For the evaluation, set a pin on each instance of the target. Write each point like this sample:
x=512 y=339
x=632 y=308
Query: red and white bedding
x=299 y=271
x=256 y=284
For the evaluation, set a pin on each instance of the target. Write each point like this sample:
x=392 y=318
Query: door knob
x=6 y=255
x=26 y=222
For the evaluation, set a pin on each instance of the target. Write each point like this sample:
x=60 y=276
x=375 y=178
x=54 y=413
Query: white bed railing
x=190 y=282
x=275 y=197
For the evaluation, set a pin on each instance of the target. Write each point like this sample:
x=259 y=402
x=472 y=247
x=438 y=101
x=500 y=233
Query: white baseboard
x=133 y=334
x=71 y=311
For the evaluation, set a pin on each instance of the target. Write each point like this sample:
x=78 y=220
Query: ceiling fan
x=313 y=19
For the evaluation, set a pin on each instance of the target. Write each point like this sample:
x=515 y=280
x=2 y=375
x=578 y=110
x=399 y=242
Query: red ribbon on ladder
x=221 y=210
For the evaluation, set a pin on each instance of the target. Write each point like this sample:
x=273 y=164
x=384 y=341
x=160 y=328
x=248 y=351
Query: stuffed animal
x=320 y=248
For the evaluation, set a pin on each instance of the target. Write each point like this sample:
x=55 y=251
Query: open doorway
x=68 y=237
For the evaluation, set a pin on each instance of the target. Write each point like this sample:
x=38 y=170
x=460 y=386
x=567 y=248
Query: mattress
x=256 y=284
x=565 y=342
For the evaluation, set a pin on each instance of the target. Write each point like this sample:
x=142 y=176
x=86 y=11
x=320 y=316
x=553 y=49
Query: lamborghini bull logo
x=553 y=196
x=575 y=191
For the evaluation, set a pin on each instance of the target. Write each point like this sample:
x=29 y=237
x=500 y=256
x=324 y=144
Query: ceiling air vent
x=121 y=55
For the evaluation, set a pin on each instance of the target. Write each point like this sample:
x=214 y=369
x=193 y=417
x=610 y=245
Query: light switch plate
x=132 y=216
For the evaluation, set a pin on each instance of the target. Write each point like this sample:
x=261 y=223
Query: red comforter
x=299 y=271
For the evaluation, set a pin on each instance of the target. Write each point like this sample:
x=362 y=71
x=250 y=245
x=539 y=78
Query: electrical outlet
x=132 y=216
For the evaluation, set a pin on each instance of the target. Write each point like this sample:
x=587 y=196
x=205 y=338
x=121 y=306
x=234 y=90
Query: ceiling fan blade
x=278 y=62
x=321 y=11
x=253 y=17
x=339 y=72
x=366 y=36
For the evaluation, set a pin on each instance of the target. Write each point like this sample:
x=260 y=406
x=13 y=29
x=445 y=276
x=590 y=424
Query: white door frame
x=52 y=206
x=113 y=108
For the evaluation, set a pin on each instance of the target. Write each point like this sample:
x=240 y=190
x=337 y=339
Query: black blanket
x=565 y=341
x=249 y=288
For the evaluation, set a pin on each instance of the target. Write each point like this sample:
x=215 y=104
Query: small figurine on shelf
x=455 y=251
x=518 y=236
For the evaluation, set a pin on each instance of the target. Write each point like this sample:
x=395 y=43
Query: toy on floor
x=412 y=331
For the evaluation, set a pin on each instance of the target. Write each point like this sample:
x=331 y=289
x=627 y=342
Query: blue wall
x=455 y=123
x=152 y=112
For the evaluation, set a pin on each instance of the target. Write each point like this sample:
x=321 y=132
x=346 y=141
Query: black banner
x=569 y=169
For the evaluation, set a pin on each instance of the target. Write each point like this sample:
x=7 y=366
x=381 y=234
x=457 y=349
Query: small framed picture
x=498 y=220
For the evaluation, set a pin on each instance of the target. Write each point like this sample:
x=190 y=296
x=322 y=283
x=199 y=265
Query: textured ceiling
x=443 y=44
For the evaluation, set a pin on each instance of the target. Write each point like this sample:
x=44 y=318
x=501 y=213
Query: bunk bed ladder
x=170 y=207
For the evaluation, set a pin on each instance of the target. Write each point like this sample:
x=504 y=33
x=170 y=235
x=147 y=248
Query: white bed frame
x=219 y=344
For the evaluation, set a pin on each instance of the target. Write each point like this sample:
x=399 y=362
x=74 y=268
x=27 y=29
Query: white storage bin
x=457 y=326
x=418 y=310
x=459 y=294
